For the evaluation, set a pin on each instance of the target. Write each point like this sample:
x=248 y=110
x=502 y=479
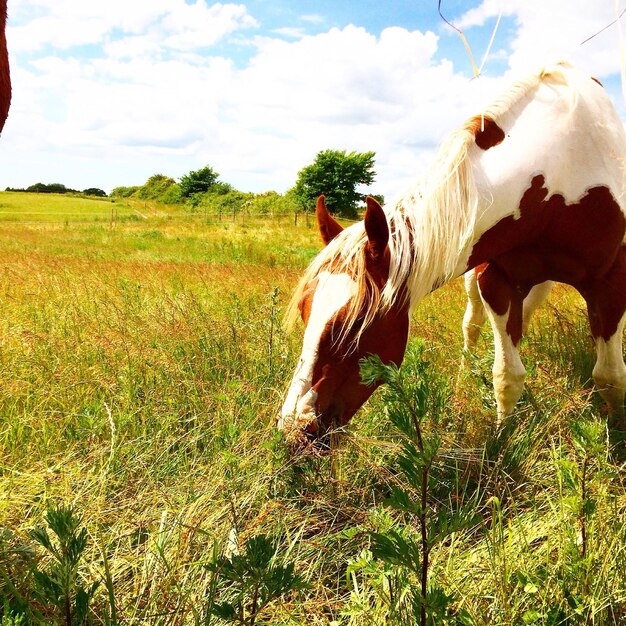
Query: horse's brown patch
x=502 y=297
x=487 y=133
x=579 y=244
x=593 y=78
x=336 y=375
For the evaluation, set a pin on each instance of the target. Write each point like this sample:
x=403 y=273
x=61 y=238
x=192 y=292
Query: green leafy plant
x=10 y=618
x=60 y=585
x=412 y=396
x=244 y=584
x=584 y=475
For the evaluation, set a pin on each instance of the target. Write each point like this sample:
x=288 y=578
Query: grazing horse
x=5 y=77
x=531 y=190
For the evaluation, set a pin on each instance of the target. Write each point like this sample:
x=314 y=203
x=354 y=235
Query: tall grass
x=143 y=362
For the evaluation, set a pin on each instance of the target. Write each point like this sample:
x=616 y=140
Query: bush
x=273 y=203
x=171 y=195
x=155 y=187
x=124 y=192
x=222 y=203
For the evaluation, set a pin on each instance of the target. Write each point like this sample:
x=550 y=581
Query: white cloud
x=313 y=18
x=64 y=24
x=555 y=29
x=198 y=25
x=133 y=46
x=290 y=31
x=59 y=32
x=478 y=16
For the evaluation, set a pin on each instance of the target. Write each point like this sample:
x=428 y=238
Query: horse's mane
x=430 y=225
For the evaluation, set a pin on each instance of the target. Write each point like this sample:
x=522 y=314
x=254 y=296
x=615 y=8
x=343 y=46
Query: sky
x=106 y=94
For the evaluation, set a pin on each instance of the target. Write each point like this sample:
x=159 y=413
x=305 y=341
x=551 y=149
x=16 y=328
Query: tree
x=95 y=191
x=49 y=188
x=198 y=181
x=336 y=175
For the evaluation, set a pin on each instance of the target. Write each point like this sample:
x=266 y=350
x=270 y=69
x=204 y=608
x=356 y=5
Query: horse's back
x=565 y=130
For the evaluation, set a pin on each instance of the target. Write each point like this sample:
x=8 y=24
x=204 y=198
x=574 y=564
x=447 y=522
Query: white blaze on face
x=332 y=293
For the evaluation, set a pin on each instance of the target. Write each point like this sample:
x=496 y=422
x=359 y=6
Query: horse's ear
x=376 y=228
x=329 y=227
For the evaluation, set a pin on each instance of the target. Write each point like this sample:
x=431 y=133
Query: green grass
x=35 y=207
x=143 y=363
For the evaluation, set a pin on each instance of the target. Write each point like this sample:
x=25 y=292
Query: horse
x=530 y=190
x=5 y=76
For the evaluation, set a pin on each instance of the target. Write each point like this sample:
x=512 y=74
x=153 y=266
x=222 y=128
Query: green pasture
x=143 y=361
x=26 y=207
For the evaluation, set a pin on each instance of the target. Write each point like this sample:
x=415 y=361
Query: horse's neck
x=435 y=247
x=5 y=77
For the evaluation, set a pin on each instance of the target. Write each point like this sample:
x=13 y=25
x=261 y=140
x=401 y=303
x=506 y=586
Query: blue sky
x=107 y=94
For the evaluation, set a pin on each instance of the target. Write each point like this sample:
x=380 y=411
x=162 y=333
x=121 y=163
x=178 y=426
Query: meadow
x=143 y=361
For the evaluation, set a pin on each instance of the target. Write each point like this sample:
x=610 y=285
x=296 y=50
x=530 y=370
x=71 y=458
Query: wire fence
x=130 y=210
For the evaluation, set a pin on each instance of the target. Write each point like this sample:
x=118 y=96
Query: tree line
x=337 y=174
x=59 y=188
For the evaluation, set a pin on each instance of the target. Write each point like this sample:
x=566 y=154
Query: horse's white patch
x=569 y=133
x=609 y=373
x=332 y=293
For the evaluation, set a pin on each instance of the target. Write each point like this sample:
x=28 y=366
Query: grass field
x=143 y=363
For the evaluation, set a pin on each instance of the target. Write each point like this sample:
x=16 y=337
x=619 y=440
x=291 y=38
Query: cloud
x=488 y=9
x=344 y=88
x=290 y=31
x=313 y=18
x=198 y=25
x=65 y=24
x=554 y=30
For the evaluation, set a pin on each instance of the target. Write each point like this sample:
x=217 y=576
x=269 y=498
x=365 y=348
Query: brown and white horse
x=532 y=190
x=5 y=76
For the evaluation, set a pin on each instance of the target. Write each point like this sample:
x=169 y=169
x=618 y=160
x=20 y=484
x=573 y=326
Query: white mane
x=430 y=226
x=435 y=221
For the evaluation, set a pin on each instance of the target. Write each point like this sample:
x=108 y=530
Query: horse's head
x=347 y=317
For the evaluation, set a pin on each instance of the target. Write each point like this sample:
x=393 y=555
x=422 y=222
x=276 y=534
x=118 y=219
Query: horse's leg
x=504 y=307
x=535 y=298
x=606 y=305
x=609 y=372
x=474 y=316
